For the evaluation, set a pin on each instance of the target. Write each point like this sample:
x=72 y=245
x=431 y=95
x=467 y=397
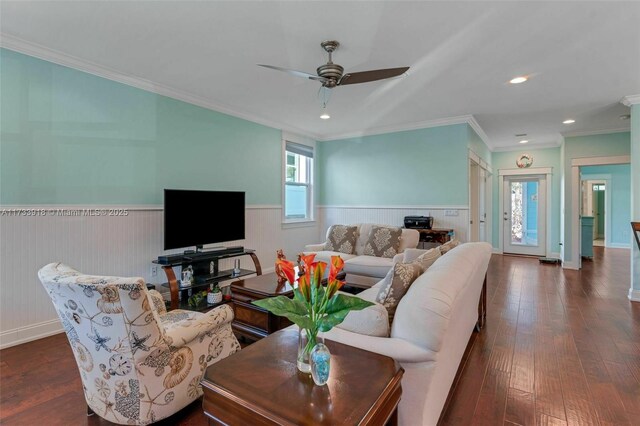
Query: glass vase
x=320 y=362
x=307 y=339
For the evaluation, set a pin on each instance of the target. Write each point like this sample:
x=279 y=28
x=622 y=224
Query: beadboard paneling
x=330 y=215
x=121 y=246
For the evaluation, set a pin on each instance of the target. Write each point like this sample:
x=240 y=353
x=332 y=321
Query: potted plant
x=214 y=295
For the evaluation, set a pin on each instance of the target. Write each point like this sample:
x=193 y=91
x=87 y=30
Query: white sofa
x=430 y=330
x=363 y=270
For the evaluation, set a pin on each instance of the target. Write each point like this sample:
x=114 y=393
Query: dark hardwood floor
x=560 y=347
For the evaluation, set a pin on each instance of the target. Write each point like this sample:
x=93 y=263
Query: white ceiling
x=583 y=57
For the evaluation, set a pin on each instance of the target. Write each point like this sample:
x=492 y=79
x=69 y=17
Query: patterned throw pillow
x=448 y=246
x=383 y=241
x=342 y=239
x=427 y=259
x=396 y=284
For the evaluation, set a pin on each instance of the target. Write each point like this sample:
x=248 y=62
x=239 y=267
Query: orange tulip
x=304 y=287
x=287 y=267
x=333 y=287
x=336 y=266
x=318 y=272
x=307 y=259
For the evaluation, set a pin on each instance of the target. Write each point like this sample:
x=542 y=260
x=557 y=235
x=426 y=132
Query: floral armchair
x=138 y=362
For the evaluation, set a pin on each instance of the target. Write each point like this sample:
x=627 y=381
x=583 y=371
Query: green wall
x=477 y=145
x=416 y=167
x=68 y=137
x=634 y=291
x=620 y=193
x=606 y=145
x=547 y=157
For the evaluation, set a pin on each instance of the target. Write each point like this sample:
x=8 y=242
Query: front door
x=524 y=217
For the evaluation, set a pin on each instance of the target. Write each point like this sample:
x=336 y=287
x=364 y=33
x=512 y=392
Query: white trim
x=133 y=207
x=630 y=100
x=618 y=245
x=479 y=131
x=600 y=161
x=606 y=179
x=474 y=157
x=439 y=122
x=292 y=224
x=403 y=207
x=570 y=265
x=530 y=145
x=496 y=251
x=596 y=132
x=634 y=295
x=51 y=55
x=30 y=332
x=529 y=171
x=554 y=255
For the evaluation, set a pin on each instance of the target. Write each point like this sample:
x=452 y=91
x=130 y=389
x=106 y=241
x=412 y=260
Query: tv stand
x=201 y=262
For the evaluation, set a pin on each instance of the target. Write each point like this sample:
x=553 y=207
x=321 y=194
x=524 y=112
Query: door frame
x=574 y=218
x=548 y=172
x=606 y=178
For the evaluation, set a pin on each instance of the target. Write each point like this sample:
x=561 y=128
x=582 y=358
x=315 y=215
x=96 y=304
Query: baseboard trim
x=618 y=245
x=554 y=255
x=29 y=333
x=634 y=295
x=570 y=265
x=497 y=250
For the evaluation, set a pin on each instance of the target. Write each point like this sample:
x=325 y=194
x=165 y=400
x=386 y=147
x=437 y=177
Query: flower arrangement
x=314 y=307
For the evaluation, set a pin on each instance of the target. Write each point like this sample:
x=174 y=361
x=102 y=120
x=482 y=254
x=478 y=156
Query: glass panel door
x=524 y=215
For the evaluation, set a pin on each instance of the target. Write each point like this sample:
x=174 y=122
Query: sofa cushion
x=371 y=321
x=383 y=241
x=325 y=256
x=341 y=238
x=449 y=245
x=426 y=259
x=396 y=284
x=368 y=265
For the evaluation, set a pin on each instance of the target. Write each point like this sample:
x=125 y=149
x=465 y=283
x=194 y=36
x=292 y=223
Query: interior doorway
x=524 y=215
x=594 y=209
x=480 y=197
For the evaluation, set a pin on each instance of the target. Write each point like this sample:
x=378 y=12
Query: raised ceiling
x=582 y=58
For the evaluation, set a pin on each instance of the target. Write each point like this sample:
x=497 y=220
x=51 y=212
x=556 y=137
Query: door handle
x=482 y=221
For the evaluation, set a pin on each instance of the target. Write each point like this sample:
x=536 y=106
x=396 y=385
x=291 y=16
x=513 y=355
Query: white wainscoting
x=393 y=215
x=121 y=246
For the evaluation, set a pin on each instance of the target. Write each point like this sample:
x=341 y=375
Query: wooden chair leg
x=90 y=412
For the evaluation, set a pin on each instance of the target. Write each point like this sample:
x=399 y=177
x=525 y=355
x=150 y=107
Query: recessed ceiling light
x=524 y=141
x=625 y=117
x=518 y=80
x=569 y=121
x=325 y=116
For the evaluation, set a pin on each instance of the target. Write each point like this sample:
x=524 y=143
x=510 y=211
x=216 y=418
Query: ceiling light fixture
x=518 y=80
x=569 y=121
x=325 y=115
x=524 y=141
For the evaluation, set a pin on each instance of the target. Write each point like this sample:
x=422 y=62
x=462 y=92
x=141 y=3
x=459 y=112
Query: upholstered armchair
x=138 y=363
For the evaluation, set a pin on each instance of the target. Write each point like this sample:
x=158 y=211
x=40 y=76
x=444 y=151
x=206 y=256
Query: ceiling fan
x=332 y=75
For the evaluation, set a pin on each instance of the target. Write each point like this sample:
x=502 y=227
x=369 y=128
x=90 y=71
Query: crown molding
x=595 y=132
x=51 y=55
x=480 y=132
x=529 y=146
x=462 y=119
x=19 y=45
x=630 y=100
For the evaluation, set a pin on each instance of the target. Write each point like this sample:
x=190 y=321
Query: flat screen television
x=189 y=220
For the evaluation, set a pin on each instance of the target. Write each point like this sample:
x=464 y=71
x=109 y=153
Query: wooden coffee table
x=261 y=385
x=250 y=320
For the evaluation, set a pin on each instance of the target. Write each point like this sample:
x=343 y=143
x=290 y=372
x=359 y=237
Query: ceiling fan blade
x=373 y=75
x=296 y=73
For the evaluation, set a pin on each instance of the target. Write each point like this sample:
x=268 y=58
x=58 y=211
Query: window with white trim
x=298 y=181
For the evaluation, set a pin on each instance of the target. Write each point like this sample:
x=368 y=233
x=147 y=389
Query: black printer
x=418 y=222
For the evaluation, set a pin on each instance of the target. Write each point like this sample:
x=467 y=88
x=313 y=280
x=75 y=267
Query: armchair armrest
x=314 y=247
x=158 y=302
x=185 y=331
x=399 y=258
x=398 y=349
